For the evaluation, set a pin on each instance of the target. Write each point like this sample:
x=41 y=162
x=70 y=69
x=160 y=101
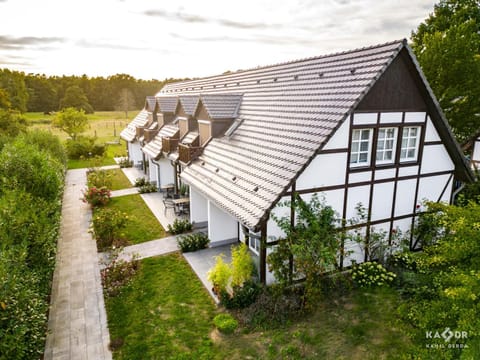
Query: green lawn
x=166 y=314
x=163 y=314
x=143 y=225
x=119 y=180
x=105 y=125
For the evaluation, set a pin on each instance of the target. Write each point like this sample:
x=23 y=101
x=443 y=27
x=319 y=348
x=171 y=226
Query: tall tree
x=42 y=93
x=75 y=97
x=71 y=121
x=447 y=45
x=14 y=84
x=126 y=101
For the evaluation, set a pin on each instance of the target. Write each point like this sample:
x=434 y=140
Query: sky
x=158 y=39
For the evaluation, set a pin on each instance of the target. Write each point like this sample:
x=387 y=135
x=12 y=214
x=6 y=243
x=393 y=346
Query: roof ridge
x=289 y=62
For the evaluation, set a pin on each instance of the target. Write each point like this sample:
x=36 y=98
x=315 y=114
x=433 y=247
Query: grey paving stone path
x=77 y=321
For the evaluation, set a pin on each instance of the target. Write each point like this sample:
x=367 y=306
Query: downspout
x=455 y=193
x=158 y=173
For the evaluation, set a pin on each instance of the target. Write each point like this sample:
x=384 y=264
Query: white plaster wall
x=404 y=225
x=273 y=231
x=364 y=118
x=405 y=197
x=431 y=187
x=358 y=194
x=390 y=117
x=333 y=198
x=408 y=170
x=198 y=207
x=324 y=170
x=340 y=139
x=167 y=174
x=436 y=158
x=135 y=152
x=431 y=133
x=414 y=117
x=382 y=201
x=384 y=174
x=476 y=151
x=360 y=177
x=152 y=170
x=221 y=226
x=355 y=253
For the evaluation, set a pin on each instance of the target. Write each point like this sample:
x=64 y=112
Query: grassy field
x=143 y=225
x=166 y=314
x=104 y=125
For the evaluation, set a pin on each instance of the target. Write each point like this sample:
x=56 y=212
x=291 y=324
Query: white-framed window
x=254 y=243
x=410 y=141
x=361 y=147
x=386 y=143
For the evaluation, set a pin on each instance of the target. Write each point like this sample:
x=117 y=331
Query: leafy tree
x=11 y=123
x=42 y=93
x=13 y=83
x=310 y=246
x=5 y=100
x=126 y=101
x=447 y=46
x=71 y=121
x=76 y=98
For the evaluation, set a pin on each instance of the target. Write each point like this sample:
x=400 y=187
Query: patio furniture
x=169 y=204
x=182 y=205
x=167 y=189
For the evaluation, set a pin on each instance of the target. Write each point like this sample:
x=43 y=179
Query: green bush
x=31 y=183
x=220 y=275
x=84 y=147
x=225 y=323
x=96 y=196
x=147 y=188
x=99 y=178
x=117 y=274
x=193 y=242
x=107 y=226
x=179 y=227
x=23 y=166
x=45 y=141
x=141 y=181
x=125 y=163
x=371 y=274
x=242 y=296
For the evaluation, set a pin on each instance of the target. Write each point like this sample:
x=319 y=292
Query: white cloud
x=153 y=39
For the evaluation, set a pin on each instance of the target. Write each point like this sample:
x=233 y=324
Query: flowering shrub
x=96 y=196
x=107 y=225
x=371 y=274
x=99 y=178
x=118 y=274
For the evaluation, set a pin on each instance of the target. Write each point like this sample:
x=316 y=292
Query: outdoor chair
x=168 y=204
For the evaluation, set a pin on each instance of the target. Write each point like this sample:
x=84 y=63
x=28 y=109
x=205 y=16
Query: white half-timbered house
x=361 y=126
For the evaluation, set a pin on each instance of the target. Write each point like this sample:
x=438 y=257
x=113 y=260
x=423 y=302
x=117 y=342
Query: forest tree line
x=40 y=93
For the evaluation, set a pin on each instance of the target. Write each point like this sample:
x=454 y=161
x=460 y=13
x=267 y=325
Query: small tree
x=75 y=97
x=71 y=121
x=309 y=248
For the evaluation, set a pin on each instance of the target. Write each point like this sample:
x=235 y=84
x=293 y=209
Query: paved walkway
x=77 y=321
